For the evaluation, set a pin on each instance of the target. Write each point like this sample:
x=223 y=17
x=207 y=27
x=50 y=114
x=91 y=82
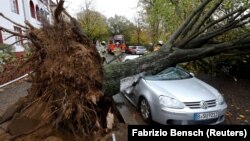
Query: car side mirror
x=192 y=74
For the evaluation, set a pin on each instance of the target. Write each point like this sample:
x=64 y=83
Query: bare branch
x=16 y=42
x=206 y=17
x=2 y=15
x=240 y=10
x=237 y=52
x=187 y=21
x=191 y=24
x=243 y=39
x=12 y=32
x=218 y=31
x=9 y=37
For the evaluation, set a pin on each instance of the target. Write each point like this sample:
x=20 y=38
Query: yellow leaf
x=242 y=116
x=110 y=119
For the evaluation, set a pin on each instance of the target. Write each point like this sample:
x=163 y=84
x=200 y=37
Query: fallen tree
x=66 y=94
x=193 y=40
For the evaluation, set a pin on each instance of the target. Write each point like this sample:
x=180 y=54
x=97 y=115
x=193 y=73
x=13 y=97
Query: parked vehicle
x=138 y=50
x=114 y=40
x=128 y=49
x=175 y=96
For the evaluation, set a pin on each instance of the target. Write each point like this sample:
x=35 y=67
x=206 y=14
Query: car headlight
x=219 y=100
x=170 y=102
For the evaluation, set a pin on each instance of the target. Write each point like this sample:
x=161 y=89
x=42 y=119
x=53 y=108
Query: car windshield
x=171 y=73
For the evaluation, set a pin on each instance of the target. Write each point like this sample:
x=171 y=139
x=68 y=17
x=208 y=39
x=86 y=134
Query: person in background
x=103 y=51
x=158 y=46
x=117 y=50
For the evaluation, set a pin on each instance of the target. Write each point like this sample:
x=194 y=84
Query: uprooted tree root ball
x=66 y=94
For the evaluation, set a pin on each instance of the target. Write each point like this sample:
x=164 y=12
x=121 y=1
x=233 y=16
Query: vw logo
x=203 y=105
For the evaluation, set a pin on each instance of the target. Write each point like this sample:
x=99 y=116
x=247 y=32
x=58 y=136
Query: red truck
x=119 y=38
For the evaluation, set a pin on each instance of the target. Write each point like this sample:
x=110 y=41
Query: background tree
x=5 y=55
x=140 y=34
x=93 y=23
x=121 y=25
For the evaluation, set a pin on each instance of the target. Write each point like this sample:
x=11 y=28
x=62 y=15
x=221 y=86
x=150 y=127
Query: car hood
x=185 y=90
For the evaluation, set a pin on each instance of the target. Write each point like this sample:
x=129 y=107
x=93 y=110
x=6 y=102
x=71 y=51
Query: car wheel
x=145 y=110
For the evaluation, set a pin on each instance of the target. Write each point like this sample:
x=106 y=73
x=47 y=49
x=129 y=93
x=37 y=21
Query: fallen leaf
x=235 y=79
x=242 y=116
x=232 y=105
x=110 y=119
x=246 y=121
x=247 y=110
x=229 y=114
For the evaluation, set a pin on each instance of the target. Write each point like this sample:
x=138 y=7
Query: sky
x=108 y=8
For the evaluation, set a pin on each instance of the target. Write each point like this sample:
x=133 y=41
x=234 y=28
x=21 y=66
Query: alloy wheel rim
x=144 y=109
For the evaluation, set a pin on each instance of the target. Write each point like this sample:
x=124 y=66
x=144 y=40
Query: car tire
x=145 y=110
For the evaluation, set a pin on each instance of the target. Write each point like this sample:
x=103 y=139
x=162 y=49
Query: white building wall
x=5 y=8
x=24 y=14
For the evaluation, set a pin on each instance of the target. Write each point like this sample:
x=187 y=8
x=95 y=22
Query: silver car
x=175 y=96
x=138 y=50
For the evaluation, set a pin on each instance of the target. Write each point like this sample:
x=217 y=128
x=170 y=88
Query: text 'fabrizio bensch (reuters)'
x=194 y=132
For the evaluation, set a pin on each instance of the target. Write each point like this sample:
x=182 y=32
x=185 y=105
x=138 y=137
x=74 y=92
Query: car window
x=141 y=47
x=171 y=73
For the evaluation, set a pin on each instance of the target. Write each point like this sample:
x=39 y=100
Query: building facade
x=33 y=11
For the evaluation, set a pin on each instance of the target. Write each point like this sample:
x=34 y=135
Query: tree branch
x=217 y=32
x=16 y=42
x=241 y=9
x=13 y=33
x=187 y=21
x=9 y=37
x=191 y=24
x=206 y=17
x=2 y=15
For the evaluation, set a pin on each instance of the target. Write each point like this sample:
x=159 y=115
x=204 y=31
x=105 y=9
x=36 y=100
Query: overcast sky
x=108 y=8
